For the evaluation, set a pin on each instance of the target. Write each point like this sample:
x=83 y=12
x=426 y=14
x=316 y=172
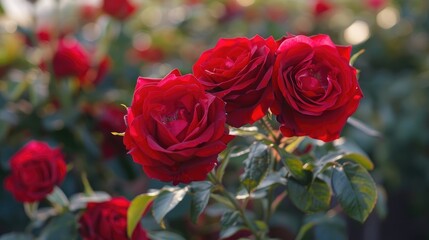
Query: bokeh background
x=161 y=35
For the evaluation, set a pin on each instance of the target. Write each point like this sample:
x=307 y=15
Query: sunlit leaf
x=58 y=197
x=137 y=208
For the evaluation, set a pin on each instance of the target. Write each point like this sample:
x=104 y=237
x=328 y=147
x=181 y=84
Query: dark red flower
x=239 y=71
x=70 y=59
x=119 y=9
x=35 y=170
x=315 y=88
x=108 y=221
x=175 y=130
x=321 y=7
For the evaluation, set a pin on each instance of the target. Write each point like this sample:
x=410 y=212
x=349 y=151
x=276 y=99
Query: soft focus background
x=164 y=34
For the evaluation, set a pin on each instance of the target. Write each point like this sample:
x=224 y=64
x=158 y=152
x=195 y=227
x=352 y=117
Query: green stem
x=267 y=126
x=236 y=205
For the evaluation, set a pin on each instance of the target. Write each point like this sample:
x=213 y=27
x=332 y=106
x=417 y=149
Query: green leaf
x=293 y=165
x=200 y=198
x=355 y=56
x=221 y=169
x=137 y=207
x=272 y=178
x=16 y=236
x=344 y=154
x=58 y=197
x=354 y=153
x=167 y=200
x=325 y=162
x=229 y=219
x=230 y=231
x=164 y=235
x=292 y=146
x=360 y=159
x=256 y=166
x=313 y=198
x=223 y=200
x=355 y=190
x=62 y=227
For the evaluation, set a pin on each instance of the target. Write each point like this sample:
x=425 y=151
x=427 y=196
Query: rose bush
x=175 y=130
x=239 y=71
x=35 y=170
x=315 y=88
x=108 y=221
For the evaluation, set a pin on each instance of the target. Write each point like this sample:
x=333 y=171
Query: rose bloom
x=70 y=59
x=315 y=88
x=239 y=71
x=119 y=9
x=35 y=170
x=175 y=130
x=108 y=221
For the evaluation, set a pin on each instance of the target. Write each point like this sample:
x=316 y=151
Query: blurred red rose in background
x=35 y=170
x=70 y=59
x=119 y=9
x=315 y=87
x=321 y=7
x=239 y=71
x=175 y=129
x=108 y=221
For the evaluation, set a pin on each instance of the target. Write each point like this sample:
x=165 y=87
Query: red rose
x=108 y=221
x=239 y=71
x=315 y=88
x=321 y=7
x=175 y=129
x=70 y=59
x=119 y=9
x=35 y=170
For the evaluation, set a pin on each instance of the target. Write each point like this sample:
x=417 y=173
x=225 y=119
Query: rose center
x=176 y=121
x=313 y=82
